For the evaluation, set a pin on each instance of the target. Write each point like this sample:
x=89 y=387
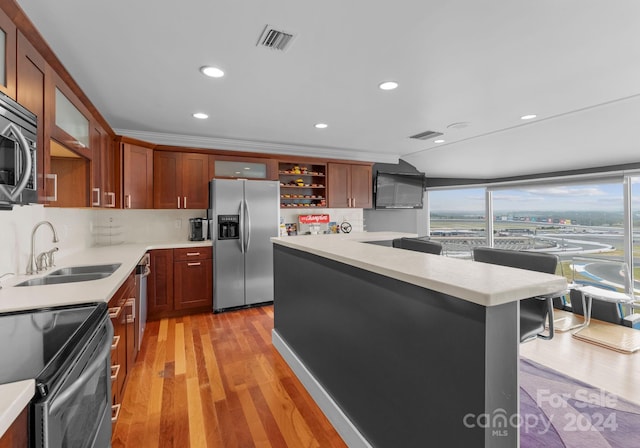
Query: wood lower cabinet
x=160 y=284
x=17 y=435
x=193 y=278
x=349 y=185
x=123 y=348
x=181 y=282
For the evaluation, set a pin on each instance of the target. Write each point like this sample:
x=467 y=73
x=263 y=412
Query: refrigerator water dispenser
x=228 y=227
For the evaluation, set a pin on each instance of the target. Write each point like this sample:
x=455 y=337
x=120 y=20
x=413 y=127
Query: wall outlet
x=178 y=224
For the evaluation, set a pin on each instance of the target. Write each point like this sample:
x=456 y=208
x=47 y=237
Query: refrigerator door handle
x=241 y=229
x=248 y=227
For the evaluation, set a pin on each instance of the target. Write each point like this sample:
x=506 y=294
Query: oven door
x=78 y=413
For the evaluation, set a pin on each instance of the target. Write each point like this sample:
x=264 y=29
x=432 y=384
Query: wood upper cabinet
x=30 y=92
x=137 y=176
x=97 y=188
x=181 y=180
x=103 y=173
x=349 y=185
x=8 y=32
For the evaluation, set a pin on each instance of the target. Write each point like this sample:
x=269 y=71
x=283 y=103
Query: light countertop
x=13 y=399
x=26 y=297
x=15 y=396
x=481 y=283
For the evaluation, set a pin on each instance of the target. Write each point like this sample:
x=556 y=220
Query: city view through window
x=583 y=224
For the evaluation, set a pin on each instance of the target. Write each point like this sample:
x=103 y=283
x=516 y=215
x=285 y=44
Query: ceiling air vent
x=275 y=39
x=426 y=135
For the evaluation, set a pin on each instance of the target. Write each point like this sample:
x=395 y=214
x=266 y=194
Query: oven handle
x=97 y=363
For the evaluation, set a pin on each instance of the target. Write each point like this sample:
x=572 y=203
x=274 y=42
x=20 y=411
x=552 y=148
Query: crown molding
x=160 y=138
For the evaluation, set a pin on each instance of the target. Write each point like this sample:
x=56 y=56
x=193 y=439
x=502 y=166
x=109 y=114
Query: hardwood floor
x=215 y=380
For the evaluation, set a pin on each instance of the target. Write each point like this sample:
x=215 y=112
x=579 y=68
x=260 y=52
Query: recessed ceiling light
x=200 y=115
x=528 y=117
x=388 y=85
x=321 y=125
x=438 y=141
x=212 y=72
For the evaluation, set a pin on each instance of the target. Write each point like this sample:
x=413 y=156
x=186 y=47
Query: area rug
x=559 y=411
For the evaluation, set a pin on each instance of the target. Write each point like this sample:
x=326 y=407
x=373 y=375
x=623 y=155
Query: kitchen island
x=401 y=348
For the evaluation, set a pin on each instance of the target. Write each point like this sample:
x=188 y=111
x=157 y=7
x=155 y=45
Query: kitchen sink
x=73 y=274
x=69 y=278
x=87 y=269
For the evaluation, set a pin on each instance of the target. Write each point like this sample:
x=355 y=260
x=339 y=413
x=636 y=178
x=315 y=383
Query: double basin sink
x=73 y=274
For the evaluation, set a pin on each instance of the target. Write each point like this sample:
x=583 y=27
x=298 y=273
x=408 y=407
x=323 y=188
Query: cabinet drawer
x=192 y=253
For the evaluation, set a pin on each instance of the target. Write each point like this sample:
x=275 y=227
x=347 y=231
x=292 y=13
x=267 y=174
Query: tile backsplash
x=137 y=226
x=72 y=225
x=79 y=228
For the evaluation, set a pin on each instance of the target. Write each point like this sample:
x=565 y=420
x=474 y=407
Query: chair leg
x=550 y=317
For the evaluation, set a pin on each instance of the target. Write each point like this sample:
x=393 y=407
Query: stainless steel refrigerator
x=244 y=216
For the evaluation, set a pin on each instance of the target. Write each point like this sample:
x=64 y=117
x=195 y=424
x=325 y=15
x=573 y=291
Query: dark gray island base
x=393 y=364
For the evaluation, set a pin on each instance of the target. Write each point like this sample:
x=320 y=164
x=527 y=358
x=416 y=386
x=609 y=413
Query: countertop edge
x=14 y=397
x=481 y=283
x=14 y=298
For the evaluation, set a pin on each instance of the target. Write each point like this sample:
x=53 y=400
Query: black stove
x=66 y=349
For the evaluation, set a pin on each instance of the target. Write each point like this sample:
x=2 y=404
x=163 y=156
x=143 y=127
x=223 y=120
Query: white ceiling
x=574 y=63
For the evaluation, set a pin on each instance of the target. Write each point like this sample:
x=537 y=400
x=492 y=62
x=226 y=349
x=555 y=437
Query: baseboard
x=349 y=433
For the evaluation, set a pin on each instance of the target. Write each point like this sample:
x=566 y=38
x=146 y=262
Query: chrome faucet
x=34 y=266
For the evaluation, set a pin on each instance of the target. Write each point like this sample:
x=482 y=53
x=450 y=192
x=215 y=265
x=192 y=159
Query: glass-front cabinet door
x=71 y=120
x=244 y=168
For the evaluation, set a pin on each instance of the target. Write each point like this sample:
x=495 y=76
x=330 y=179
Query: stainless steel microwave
x=18 y=158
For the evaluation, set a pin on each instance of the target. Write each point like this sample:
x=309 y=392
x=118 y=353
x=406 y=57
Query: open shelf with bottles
x=302 y=185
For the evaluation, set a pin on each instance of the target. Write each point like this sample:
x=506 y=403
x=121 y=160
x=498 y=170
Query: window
x=635 y=230
x=581 y=223
x=457 y=220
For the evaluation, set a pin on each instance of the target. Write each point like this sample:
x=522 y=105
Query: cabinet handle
x=115 y=312
x=115 y=370
x=116 y=341
x=115 y=413
x=128 y=199
x=132 y=303
x=178 y=201
x=96 y=191
x=353 y=202
x=184 y=203
x=111 y=195
x=53 y=198
x=193 y=254
x=194 y=264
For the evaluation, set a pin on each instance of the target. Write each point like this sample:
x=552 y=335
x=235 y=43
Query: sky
x=587 y=197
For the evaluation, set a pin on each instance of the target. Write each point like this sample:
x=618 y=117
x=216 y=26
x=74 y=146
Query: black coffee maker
x=197 y=229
